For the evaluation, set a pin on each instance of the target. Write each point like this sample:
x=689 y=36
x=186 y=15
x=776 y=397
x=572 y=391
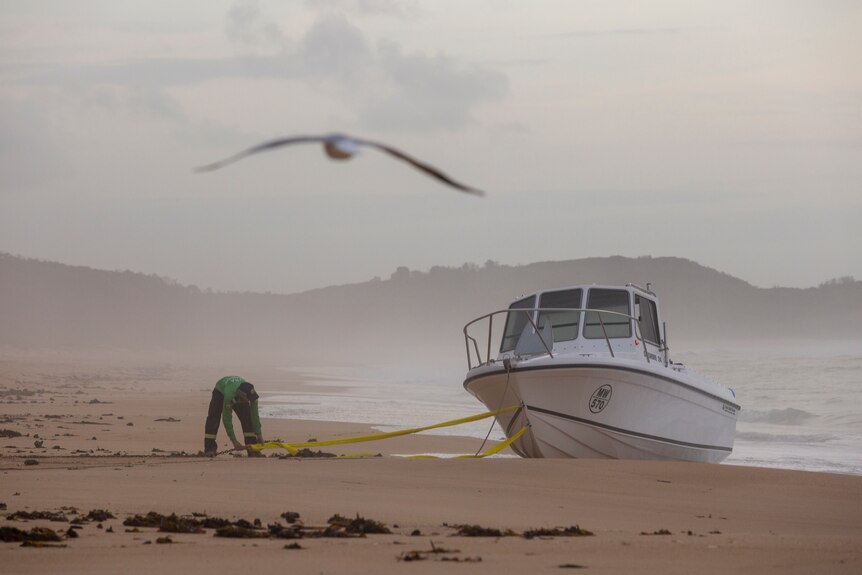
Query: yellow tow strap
x=496 y=449
x=293 y=448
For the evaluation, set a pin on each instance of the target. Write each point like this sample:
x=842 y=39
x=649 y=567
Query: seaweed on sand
x=573 y=531
x=290 y=516
x=241 y=532
x=279 y=531
x=422 y=555
x=40 y=534
x=174 y=524
x=358 y=526
x=479 y=531
x=306 y=452
x=47 y=515
x=98 y=515
x=151 y=519
x=659 y=532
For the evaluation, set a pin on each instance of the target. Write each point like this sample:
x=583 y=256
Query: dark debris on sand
x=174 y=523
x=337 y=526
x=98 y=515
x=33 y=515
x=357 y=526
x=439 y=553
x=659 y=532
x=479 y=531
x=290 y=516
x=295 y=531
x=573 y=531
x=151 y=519
x=241 y=532
x=36 y=534
x=306 y=452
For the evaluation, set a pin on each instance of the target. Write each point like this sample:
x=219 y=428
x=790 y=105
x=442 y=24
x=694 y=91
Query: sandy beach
x=121 y=435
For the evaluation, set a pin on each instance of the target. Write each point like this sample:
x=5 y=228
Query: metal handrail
x=529 y=315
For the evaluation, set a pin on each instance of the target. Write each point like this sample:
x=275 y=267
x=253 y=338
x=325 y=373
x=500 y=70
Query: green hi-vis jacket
x=228 y=386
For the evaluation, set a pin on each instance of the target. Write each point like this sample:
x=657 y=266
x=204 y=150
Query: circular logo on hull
x=601 y=398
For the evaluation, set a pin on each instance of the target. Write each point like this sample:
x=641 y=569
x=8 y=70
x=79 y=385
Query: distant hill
x=45 y=304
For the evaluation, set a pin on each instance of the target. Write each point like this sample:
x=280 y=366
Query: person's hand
x=237 y=444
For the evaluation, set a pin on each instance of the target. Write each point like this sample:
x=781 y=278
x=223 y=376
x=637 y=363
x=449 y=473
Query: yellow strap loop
x=496 y=449
x=293 y=447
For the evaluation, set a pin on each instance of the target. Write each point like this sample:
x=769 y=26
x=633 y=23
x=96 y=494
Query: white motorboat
x=589 y=371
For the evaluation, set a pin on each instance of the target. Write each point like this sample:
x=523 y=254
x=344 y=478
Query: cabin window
x=515 y=323
x=616 y=326
x=645 y=311
x=565 y=323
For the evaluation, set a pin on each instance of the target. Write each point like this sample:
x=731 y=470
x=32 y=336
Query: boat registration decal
x=601 y=398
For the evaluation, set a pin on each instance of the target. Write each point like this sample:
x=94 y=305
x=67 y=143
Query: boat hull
x=609 y=411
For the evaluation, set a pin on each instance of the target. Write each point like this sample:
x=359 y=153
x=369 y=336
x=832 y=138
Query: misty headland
x=410 y=314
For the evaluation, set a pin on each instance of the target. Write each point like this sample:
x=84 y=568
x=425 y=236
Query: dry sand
x=104 y=448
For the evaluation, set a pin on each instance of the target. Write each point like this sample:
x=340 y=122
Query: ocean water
x=801 y=402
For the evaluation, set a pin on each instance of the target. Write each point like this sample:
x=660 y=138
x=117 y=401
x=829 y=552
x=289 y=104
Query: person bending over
x=233 y=393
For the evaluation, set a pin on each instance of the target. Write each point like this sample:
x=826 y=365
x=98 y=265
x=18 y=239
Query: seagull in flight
x=342 y=147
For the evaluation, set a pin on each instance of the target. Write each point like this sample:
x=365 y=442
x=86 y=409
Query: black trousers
x=242 y=411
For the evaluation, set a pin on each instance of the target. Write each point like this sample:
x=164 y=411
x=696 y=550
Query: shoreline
x=718 y=517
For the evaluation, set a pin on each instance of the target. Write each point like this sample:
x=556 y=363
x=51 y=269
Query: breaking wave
x=791 y=438
x=787 y=416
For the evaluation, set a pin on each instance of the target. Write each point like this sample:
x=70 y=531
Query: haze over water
x=799 y=401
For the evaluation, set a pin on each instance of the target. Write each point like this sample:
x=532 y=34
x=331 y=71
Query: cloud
x=380 y=84
x=335 y=49
x=429 y=92
x=619 y=32
x=398 y=8
x=30 y=151
x=246 y=25
x=391 y=90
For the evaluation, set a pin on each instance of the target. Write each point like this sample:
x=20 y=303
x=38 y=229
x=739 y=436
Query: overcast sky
x=726 y=132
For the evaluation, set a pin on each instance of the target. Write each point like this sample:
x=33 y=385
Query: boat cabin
x=590 y=319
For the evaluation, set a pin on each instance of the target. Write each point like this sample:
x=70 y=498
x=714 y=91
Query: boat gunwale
x=591 y=365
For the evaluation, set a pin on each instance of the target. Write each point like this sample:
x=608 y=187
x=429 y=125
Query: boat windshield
x=565 y=323
x=515 y=323
x=647 y=319
x=616 y=326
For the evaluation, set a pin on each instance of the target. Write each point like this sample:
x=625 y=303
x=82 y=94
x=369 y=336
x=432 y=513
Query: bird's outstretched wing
x=334 y=139
x=430 y=170
x=271 y=145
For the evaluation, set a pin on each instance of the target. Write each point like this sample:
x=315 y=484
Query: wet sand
x=716 y=518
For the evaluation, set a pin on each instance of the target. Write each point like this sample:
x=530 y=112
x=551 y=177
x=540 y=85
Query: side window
x=565 y=323
x=648 y=319
x=612 y=300
x=515 y=323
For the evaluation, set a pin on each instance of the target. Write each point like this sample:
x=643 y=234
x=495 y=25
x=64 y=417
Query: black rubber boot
x=210 y=447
